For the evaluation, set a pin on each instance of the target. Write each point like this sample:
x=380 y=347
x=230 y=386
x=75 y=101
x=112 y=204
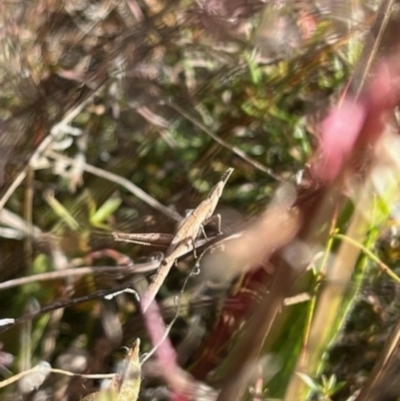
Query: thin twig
x=371 y=46
x=135 y=190
x=385 y=369
x=63 y=304
x=226 y=145
x=162 y=346
x=80 y=271
x=69 y=116
x=21 y=176
x=192 y=273
x=41 y=369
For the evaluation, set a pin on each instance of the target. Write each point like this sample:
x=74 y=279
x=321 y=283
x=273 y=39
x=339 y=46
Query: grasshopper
x=183 y=241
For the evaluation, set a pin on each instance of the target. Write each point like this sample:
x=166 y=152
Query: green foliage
x=325 y=388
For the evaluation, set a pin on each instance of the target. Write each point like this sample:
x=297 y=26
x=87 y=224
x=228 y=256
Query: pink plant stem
x=353 y=127
x=171 y=372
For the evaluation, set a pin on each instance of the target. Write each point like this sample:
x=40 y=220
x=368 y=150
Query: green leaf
x=311 y=383
x=105 y=211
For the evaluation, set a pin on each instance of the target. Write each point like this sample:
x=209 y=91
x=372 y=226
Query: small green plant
x=324 y=388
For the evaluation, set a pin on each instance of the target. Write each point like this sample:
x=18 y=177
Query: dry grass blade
x=80 y=271
x=127 y=381
x=21 y=176
x=382 y=384
x=135 y=190
x=226 y=145
x=125 y=384
x=371 y=46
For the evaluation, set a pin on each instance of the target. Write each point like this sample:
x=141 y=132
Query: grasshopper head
x=226 y=175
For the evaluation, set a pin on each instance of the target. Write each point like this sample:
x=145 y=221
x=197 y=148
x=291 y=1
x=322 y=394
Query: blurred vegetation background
x=167 y=95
